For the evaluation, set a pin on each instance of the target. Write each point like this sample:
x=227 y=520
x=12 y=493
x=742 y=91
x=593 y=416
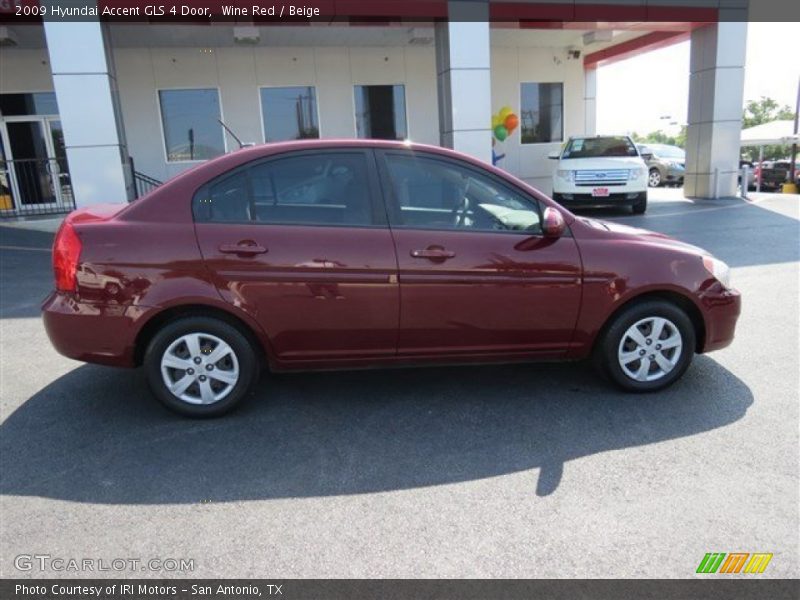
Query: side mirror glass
x=553 y=224
x=555 y=155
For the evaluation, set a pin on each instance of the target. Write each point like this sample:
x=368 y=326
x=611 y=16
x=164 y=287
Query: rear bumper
x=721 y=310
x=91 y=332
x=589 y=201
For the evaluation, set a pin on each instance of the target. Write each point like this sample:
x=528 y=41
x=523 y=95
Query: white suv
x=600 y=170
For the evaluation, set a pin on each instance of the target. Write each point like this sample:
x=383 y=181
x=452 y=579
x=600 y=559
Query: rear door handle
x=242 y=248
x=433 y=253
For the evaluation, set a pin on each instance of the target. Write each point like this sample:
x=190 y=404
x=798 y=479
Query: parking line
x=29 y=248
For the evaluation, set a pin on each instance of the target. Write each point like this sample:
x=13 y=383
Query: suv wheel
x=654 y=178
x=647 y=347
x=200 y=366
x=641 y=205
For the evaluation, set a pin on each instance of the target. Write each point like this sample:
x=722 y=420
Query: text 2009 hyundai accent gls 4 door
x=321 y=254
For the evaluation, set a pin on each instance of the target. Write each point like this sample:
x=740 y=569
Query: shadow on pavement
x=96 y=435
x=739 y=232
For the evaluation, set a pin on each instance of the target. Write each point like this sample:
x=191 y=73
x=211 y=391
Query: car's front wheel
x=640 y=207
x=654 y=178
x=647 y=347
x=200 y=366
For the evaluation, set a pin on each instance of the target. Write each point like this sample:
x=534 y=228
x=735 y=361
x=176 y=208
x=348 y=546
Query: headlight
x=675 y=165
x=565 y=174
x=634 y=174
x=718 y=269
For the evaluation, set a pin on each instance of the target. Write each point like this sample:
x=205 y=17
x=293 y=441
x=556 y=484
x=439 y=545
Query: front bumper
x=674 y=175
x=721 y=309
x=103 y=334
x=586 y=200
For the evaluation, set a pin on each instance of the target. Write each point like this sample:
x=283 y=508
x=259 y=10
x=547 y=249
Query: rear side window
x=311 y=189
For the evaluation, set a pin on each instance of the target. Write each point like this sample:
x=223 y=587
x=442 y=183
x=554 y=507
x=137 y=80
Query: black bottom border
x=710 y=588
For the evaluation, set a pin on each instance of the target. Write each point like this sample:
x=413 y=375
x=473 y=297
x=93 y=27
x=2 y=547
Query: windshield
x=596 y=147
x=668 y=152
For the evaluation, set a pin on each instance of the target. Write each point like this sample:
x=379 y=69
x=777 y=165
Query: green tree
x=765 y=110
x=659 y=137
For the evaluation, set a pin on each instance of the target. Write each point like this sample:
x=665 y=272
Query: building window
x=191 y=128
x=381 y=112
x=289 y=113
x=542 y=113
x=37 y=103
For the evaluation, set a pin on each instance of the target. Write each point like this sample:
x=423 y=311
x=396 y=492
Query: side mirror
x=647 y=156
x=553 y=224
x=554 y=155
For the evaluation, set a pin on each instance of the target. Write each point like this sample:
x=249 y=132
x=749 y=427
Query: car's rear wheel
x=647 y=347
x=654 y=178
x=200 y=366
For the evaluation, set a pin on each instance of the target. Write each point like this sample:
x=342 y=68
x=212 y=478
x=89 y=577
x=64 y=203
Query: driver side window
x=437 y=194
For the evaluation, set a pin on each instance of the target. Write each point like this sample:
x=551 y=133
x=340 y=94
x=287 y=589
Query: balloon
x=505 y=111
x=500 y=132
x=511 y=122
x=496 y=120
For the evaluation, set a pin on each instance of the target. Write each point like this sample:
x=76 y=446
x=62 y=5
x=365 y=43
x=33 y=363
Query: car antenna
x=233 y=135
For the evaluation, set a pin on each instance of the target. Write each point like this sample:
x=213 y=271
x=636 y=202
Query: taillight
x=66 y=252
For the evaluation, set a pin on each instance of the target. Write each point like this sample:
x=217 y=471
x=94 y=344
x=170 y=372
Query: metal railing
x=144 y=184
x=33 y=186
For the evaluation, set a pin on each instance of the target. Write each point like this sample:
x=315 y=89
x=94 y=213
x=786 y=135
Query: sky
x=634 y=94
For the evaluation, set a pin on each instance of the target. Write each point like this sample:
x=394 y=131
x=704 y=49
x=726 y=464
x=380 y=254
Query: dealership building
x=96 y=111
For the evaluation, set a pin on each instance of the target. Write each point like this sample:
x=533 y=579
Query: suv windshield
x=596 y=147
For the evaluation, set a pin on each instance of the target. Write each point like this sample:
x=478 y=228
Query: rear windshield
x=596 y=147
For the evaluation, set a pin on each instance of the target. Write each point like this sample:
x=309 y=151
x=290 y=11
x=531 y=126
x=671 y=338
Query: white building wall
x=238 y=73
x=25 y=71
x=510 y=67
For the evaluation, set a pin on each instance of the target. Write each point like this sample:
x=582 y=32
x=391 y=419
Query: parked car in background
x=666 y=164
x=751 y=173
x=774 y=174
x=338 y=254
x=600 y=170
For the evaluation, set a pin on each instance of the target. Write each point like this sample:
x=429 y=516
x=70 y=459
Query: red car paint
x=333 y=296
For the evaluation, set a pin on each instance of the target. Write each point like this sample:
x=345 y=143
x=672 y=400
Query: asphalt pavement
x=491 y=471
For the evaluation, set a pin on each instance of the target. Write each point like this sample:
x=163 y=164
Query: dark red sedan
x=341 y=254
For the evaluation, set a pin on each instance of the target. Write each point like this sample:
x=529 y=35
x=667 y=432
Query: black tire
x=641 y=206
x=654 y=178
x=243 y=356
x=607 y=348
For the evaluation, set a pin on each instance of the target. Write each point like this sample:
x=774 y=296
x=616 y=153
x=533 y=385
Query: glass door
x=6 y=201
x=37 y=179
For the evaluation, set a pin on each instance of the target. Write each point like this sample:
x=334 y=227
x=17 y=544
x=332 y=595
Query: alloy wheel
x=650 y=349
x=654 y=179
x=200 y=368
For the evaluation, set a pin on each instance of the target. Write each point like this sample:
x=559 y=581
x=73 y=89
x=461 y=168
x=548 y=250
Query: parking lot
x=492 y=471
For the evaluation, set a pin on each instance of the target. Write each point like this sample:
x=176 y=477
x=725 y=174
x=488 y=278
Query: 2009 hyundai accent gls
x=339 y=254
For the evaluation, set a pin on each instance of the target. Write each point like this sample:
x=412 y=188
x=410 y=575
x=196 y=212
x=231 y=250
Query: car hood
x=619 y=231
x=622 y=162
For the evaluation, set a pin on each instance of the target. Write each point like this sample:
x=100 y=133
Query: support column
x=86 y=91
x=590 y=100
x=716 y=92
x=464 y=80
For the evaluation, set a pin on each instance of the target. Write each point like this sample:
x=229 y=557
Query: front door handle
x=242 y=249
x=433 y=253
